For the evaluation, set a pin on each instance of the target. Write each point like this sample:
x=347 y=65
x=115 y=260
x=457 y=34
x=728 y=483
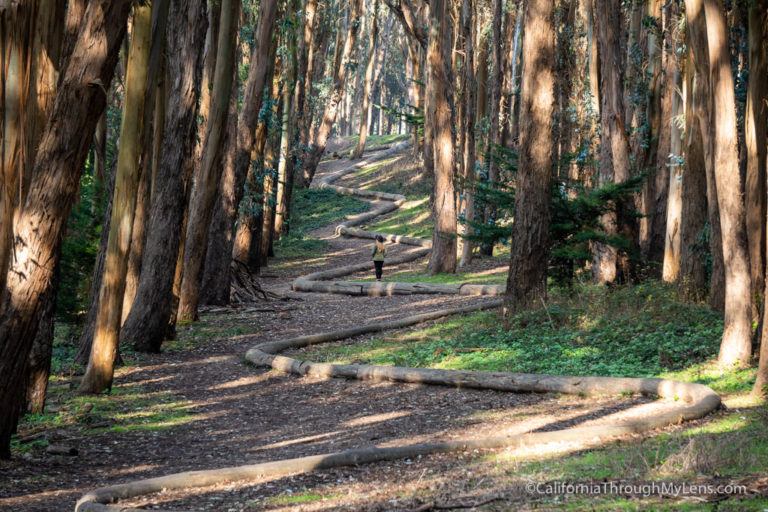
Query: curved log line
x=701 y=399
x=310 y=282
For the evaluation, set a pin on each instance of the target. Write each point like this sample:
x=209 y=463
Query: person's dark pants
x=379 y=267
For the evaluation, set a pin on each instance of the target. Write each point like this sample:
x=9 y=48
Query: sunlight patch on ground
x=243 y=381
x=300 y=440
x=376 y=418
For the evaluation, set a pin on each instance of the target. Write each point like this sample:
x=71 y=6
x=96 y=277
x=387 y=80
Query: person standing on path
x=379 y=252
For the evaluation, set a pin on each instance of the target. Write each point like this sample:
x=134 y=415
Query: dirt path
x=235 y=414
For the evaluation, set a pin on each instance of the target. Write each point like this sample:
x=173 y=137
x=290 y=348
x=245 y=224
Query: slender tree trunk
x=337 y=93
x=151 y=131
x=248 y=232
x=494 y=133
x=44 y=75
x=215 y=285
x=468 y=129
x=440 y=92
x=756 y=119
x=208 y=174
x=55 y=177
x=147 y=323
x=100 y=370
x=363 y=133
x=736 y=346
x=675 y=197
x=692 y=283
x=614 y=143
x=702 y=93
x=527 y=279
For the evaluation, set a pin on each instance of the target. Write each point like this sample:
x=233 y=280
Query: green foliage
x=637 y=331
x=312 y=209
x=574 y=223
x=80 y=247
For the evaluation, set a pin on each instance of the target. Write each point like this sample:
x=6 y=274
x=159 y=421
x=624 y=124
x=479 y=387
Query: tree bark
x=101 y=364
x=215 y=285
x=297 y=123
x=468 y=129
x=494 y=133
x=692 y=282
x=674 y=208
x=337 y=93
x=363 y=132
x=527 y=279
x=440 y=92
x=208 y=173
x=736 y=346
x=614 y=143
x=58 y=164
x=756 y=118
x=147 y=323
x=697 y=29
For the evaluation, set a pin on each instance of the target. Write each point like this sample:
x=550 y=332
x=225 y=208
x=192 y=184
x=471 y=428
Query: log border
x=699 y=400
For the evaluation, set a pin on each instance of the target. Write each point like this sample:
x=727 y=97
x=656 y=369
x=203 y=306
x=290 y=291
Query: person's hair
x=380 y=242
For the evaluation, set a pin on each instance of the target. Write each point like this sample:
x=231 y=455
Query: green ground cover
x=312 y=209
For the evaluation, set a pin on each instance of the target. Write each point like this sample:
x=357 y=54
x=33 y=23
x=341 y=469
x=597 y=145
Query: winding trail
x=695 y=400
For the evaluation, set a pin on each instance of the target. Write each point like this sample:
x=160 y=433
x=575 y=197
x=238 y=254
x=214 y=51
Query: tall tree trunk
x=659 y=107
x=215 y=285
x=100 y=370
x=55 y=178
x=337 y=93
x=697 y=29
x=363 y=133
x=248 y=232
x=614 y=143
x=736 y=346
x=440 y=92
x=44 y=75
x=208 y=174
x=494 y=133
x=692 y=282
x=151 y=132
x=468 y=129
x=147 y=323
x=527 y=279
x=671 y=268
x=756 y=118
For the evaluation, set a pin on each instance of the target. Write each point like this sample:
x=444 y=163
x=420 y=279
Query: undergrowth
x=312 y=209
x=638 y=331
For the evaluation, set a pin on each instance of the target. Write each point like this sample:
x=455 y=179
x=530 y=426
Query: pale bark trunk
x=208 y=174
x=55 y=177
x=154 y=102
x=101 y=364
x=299 y=120
x=337 y=93
x=363 y=133
x=736 y=346
x=527 y=279
x=671 y=267
x=147 y=323
x=440 y=92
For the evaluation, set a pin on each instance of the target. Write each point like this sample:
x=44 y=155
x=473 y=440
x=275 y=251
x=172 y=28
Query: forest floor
x=197 y=405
